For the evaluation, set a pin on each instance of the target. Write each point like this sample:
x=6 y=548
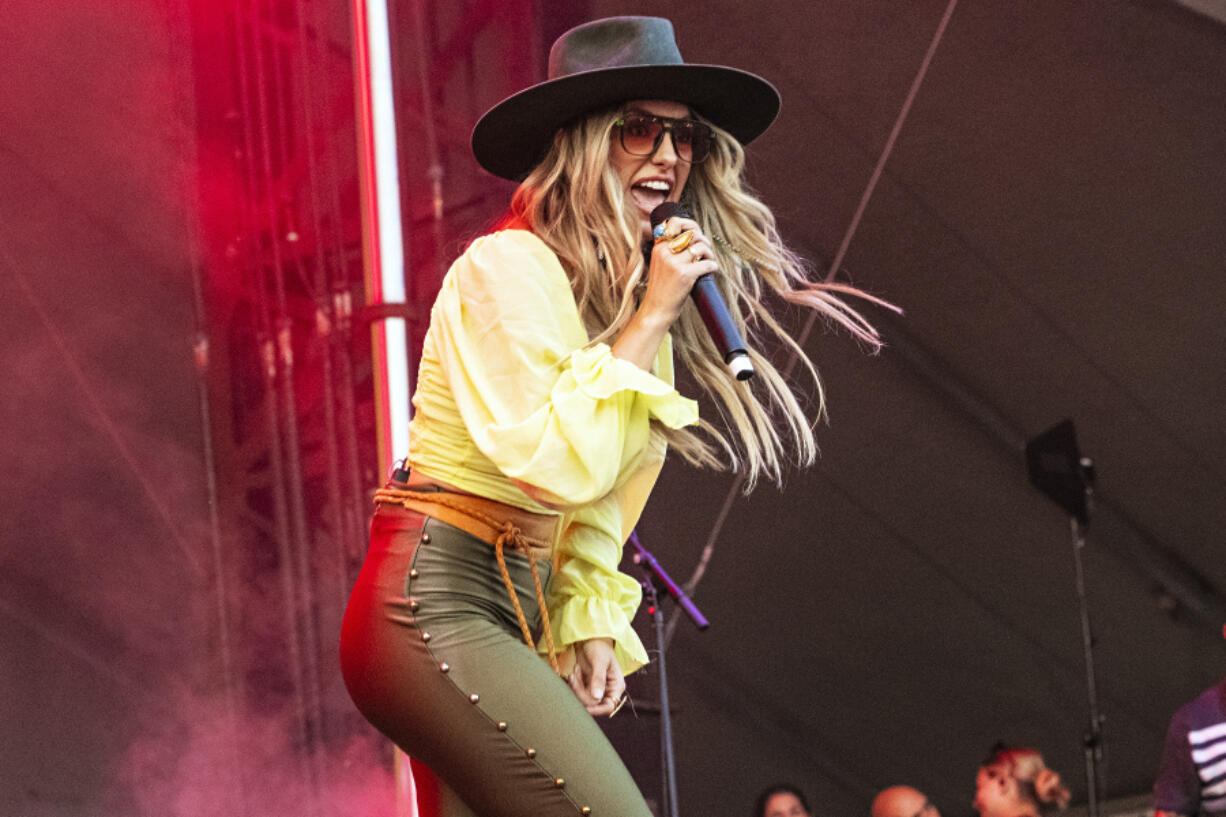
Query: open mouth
x=650 y=194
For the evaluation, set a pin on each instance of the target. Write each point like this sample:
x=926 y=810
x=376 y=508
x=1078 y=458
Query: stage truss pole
x=383 y=261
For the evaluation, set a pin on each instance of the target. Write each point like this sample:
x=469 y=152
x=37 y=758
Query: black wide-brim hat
x=607 y=62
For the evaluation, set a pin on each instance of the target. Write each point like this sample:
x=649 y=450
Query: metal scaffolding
x=288 y=377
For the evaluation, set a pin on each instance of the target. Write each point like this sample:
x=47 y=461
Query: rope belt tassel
x=513 y=535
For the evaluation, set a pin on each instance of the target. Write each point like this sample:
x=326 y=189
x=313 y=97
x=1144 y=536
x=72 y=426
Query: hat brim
x=512 y=137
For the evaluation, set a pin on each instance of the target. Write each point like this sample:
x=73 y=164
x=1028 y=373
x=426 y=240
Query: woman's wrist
x=639 y=342
x=605 y=639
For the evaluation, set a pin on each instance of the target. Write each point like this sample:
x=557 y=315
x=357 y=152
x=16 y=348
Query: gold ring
x=664 y=232
x=681 y=242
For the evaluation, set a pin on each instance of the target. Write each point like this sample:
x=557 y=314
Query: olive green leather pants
x=432 y=655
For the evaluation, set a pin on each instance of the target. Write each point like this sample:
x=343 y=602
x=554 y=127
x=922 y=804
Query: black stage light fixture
x=1057 y=469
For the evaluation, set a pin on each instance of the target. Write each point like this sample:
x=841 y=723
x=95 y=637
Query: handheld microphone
x=711 y=307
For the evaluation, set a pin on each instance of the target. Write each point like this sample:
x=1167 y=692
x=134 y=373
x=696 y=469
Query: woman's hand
x=597 y=679
x=671 y=275
x=670 y=278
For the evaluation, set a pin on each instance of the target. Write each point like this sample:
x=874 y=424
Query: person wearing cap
x=544 y=407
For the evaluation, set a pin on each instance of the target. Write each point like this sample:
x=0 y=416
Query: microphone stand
x=1092 y=740
x=1058 y=469
x=654 y=579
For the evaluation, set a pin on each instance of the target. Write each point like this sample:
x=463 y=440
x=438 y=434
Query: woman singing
x=543 y=409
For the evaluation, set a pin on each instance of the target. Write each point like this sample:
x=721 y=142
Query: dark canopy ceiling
x=1051 y=219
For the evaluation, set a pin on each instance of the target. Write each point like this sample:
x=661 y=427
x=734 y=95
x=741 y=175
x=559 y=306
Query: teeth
x=654 y=185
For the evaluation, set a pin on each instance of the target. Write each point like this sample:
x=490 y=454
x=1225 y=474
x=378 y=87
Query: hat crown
x=608 y=62
x=614 y=42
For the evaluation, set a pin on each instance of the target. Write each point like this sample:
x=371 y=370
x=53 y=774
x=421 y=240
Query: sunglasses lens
x=693 y=140
x=639 y=135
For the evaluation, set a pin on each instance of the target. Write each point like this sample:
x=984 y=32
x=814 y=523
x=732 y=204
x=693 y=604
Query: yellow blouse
x=513 y=404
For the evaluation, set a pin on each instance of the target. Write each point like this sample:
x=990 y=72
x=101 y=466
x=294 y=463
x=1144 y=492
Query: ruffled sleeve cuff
x=599 y=375
x=579 y=619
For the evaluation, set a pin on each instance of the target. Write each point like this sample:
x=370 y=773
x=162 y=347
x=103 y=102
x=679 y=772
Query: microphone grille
x=666 y=211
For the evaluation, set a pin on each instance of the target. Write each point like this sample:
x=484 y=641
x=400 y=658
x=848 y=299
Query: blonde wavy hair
x=574 y=202
x=1037 y=783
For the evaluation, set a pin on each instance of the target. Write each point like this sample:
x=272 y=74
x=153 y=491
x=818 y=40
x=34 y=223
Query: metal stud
x=444 y=667
x=502 y=726
x=413 y=573
x=413 y=605
x=530 y=753
x=585 y=811
x=425 y=538
x=425 y=637
x=559 y=782
x=474 y=697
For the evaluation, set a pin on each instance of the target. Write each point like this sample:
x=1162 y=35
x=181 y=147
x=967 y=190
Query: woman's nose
x=666 y=153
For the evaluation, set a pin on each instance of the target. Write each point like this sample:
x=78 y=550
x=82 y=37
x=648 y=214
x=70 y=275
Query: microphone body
x=711 y=307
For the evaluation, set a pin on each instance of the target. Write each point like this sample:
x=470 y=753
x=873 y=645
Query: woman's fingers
x=579 y=684
x=699 y=250
x=602 y=707
x=696 y=248
x=673 y=227
x=615 y=689
x=679 y=258
x=597 y=679
x=613 y=692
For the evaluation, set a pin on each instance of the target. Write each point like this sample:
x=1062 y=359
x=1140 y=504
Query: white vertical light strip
x=395 y=336
x=386 y=181
x=383 y=246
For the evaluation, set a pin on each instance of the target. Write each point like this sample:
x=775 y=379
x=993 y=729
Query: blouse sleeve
x=564 y=421
x=587 y=599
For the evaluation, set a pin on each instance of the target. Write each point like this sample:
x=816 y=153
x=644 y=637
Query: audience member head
x=1015 y=782
x=903 y=801
x=782 y=800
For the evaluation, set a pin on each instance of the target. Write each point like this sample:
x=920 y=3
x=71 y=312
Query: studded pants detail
x=432 y=656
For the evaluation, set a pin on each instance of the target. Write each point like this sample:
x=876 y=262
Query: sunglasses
x=641 y=135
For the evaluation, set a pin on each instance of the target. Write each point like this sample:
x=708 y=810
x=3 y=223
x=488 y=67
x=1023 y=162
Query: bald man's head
x=903 y=801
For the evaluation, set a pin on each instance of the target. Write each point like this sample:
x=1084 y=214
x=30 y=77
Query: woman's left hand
x=597 y=679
